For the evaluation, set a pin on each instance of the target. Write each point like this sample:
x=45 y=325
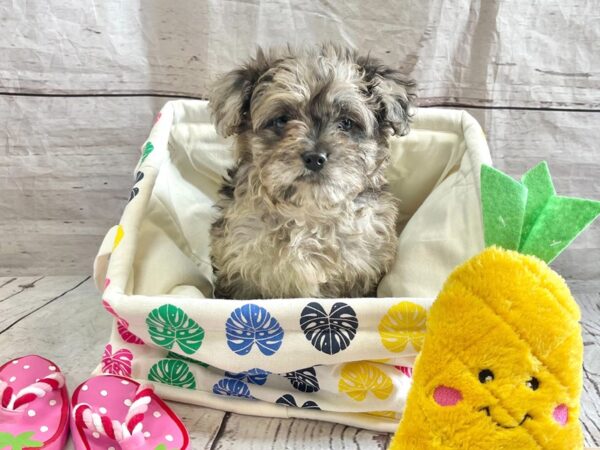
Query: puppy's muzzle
x=314 y=161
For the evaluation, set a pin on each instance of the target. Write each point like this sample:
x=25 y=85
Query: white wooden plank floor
x=60 y=317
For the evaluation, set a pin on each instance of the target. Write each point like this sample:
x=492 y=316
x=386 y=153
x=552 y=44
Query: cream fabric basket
x=340 y=360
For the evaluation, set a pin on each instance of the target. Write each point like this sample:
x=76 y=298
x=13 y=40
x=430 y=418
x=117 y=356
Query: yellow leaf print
x=360 y=378
x=403 y=323
x=387 y=414
x=118 y=237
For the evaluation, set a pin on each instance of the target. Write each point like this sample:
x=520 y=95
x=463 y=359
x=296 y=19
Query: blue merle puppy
x=306 y=210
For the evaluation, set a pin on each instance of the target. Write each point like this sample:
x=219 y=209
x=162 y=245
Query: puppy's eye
x=279 y=122
x=533 y=383
x=486 y=375
x=346 y=124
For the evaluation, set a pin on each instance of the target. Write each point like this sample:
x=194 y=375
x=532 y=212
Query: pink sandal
x=34 y=405
x=113 y=412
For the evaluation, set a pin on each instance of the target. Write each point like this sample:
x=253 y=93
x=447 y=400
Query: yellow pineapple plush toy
x=501 y=365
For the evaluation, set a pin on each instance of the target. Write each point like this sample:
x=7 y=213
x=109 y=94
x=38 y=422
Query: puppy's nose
x=314 y=161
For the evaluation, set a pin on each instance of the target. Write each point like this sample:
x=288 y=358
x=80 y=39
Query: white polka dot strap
x=13 y=402
x=128 y=431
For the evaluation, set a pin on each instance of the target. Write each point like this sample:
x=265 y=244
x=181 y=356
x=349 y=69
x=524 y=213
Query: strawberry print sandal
x=34 y=405
x=116 y=413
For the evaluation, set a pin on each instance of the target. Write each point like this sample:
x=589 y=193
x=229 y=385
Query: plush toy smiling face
x=487 y=376
x=501 y=363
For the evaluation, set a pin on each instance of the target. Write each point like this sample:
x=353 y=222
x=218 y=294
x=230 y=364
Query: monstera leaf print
x=329 y=333
x=386 y=414
x=172 y=372
x=118 y=237
x=135 y=190
x=252 y=376
x=169 y=325
x=304 y=380
x=289 y=400
x=252 y=324
x=122 y=326
x=173 y=355
x=360 y=378
x=310 y=405
x=232 y=388
x=126 y=335
x=403 y=323
x=117 y=363
x=148 y=148
x=408 y=371
x=109 y=309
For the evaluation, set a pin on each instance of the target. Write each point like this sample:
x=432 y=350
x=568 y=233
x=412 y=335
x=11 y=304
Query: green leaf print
x=172 y=372
x=148 y=148
x=168 y=325
x=173 y=355
x=18 y=442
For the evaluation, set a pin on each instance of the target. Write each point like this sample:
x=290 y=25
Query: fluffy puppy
x=306 y=211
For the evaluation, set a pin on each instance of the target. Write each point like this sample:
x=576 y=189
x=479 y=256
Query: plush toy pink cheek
x=446 y=396
x=561 y=414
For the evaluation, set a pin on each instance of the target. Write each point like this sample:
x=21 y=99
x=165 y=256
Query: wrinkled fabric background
x=80 y=82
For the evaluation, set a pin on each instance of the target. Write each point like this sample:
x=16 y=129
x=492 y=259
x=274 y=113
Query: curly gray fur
x=283 y=230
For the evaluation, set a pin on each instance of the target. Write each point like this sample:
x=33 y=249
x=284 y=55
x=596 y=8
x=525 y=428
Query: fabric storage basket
x=340 y=360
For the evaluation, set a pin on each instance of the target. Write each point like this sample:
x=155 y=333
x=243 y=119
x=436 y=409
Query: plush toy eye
x=486 y=375
x=533 y=383
x=279 y=122
x=346 y=124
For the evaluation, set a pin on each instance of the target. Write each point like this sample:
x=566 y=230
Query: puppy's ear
x=231 y=93
x=390 y=94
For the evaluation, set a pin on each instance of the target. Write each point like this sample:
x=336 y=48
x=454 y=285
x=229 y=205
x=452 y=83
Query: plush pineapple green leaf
x=558 y=224
x=529 y=216
x=539 y=191
x=503 y=202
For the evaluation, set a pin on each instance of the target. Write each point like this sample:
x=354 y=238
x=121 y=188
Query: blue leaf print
x=232 y=388
x=252 y=376
x=329 y=333
x=252 y=324
x=304 y=380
